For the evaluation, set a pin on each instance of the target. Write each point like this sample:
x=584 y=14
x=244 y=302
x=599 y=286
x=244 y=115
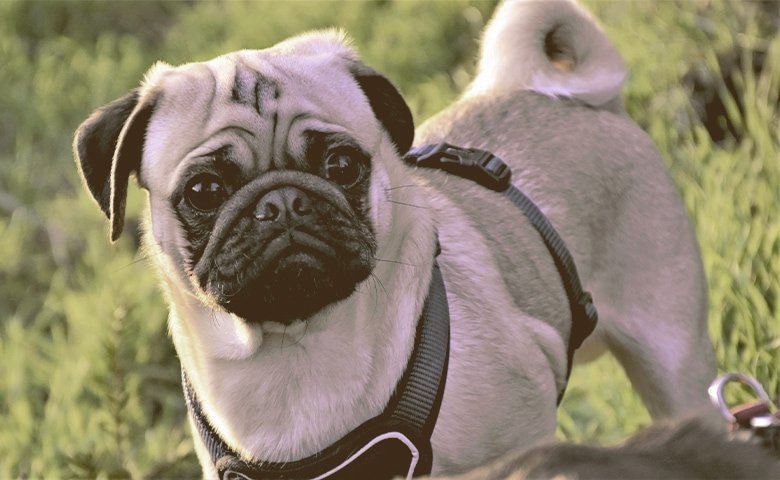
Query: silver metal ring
x=716 y=392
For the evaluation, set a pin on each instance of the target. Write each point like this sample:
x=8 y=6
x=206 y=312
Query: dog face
x=277 y=245
x=266 y=172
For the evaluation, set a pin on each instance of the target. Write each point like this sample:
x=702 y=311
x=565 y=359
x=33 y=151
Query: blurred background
x=89 y=381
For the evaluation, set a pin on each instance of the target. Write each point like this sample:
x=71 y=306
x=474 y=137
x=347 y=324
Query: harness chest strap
x=396 y=443
x=488 y=170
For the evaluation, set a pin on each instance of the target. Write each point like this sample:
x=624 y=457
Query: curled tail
x=553 y=47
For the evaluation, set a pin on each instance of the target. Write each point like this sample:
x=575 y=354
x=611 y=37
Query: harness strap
x=491 y=172
x=418 y=396
x=583 y=312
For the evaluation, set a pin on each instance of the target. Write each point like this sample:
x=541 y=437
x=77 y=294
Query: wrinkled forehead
x=320 y=78
x=317 y=84
x=321 y=83
x=260 y=92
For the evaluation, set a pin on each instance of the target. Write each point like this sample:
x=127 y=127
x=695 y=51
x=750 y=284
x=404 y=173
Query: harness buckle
x=474 y=164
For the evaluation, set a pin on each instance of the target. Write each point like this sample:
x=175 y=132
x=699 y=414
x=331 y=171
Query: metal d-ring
x=717 y=387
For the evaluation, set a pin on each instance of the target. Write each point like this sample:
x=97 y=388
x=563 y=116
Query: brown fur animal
x=694 y=448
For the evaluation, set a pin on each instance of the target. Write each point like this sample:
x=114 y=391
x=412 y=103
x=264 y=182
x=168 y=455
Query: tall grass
x=89 y=381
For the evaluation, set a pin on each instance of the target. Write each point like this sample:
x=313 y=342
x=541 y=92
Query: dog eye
x=343 y=168
x=205 y=192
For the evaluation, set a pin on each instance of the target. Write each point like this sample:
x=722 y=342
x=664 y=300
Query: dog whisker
x=408 y=204
x=396 y=262
x=377 y=284
x=377 y=281
x=145 y=257
x=303 y=334
x=138 y=260
x=411 y=185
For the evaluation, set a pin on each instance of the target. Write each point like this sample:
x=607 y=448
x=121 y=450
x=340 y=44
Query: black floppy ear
x=388 y=105
x=108 y=148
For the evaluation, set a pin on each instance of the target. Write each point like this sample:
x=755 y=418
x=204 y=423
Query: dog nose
x=283 y=205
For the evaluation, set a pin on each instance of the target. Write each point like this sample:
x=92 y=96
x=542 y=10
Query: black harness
x=398 y=441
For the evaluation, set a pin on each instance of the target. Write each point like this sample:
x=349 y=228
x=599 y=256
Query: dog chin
x=295 y=286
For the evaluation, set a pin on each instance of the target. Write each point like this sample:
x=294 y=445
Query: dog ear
x=388 y=105
x=108 y=147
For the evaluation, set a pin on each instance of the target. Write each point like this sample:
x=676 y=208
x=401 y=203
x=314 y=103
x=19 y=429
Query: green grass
x=89 y=381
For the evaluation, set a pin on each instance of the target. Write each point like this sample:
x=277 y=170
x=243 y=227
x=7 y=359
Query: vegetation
x=89 y=381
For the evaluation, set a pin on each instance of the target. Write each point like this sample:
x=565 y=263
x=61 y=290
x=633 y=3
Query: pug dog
x=295 y=246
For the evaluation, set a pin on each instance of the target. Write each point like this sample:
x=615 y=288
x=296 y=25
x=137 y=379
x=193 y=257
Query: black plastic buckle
x=474 y=164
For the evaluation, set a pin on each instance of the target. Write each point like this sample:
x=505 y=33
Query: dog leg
x=670 y=371
x=652 y=300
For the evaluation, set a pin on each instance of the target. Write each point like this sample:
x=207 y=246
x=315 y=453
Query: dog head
x=267 y=172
